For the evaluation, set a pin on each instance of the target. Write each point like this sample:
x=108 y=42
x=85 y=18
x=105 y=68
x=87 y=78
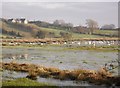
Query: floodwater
x=60 y=58
x=10 y=75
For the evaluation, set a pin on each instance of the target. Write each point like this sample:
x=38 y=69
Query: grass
x=61 y=48
x=76 y=35
x=102 y=49
x=52 y=30
x=106 y=31
x=23 y=82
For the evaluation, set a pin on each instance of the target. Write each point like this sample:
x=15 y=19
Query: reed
x=101 y=76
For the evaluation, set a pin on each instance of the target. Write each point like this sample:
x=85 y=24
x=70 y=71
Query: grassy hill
x=16 y=28
x=27 y=30
x=30 y=30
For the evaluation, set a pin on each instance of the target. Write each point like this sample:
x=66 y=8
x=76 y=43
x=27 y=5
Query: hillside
x=78 y=31
x=32 y=30
x=26 y=30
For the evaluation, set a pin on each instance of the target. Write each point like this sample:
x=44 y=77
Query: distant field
x=28 y=30
x=107 y=32
x=52 y=30
x=76 y=35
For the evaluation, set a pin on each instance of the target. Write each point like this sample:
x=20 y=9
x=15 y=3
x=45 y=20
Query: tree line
x=44 y=34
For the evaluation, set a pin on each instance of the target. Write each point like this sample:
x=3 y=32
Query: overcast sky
x=76 y=13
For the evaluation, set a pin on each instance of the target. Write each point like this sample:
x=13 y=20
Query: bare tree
x=92 y=25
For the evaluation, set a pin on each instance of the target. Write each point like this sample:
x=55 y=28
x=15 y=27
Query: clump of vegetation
x=12 y=33
x=32 y=75
x=65 y=35
x=85 y=62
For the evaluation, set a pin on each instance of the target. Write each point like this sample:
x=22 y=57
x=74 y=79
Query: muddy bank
x=101 y=76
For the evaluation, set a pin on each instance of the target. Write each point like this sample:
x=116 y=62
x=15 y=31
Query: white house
x=23 y=20
x=12 y=20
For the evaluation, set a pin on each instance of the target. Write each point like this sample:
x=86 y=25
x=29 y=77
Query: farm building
x=22 y=20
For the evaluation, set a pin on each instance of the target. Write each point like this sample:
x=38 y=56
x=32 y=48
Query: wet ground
x=57 y=57
x=10 y=75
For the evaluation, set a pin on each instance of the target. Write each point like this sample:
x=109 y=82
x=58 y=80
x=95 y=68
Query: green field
x=107 y=32
x=23 y=82
x=27 y=30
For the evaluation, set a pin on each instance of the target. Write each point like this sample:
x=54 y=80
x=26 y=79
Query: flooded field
x=59 y=57
x=10 y=75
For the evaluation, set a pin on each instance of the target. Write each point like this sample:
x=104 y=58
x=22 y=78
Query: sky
x=74 y=12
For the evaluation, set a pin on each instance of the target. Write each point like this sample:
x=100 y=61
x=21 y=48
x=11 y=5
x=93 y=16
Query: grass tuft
x=23 y=82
